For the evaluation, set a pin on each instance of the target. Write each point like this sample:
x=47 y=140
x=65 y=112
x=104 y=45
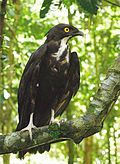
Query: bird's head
x=61 y=31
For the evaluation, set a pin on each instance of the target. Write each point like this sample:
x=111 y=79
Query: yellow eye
x=66 y=29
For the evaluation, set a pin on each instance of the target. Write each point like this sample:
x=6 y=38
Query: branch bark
x=77 y=130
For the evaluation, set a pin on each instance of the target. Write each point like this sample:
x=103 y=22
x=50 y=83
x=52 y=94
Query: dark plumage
x=50 y=79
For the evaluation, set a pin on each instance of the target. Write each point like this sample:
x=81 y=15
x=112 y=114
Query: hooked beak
x=78 y=33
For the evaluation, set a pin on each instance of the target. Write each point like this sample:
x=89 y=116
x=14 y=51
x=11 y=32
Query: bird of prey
x=50 y=79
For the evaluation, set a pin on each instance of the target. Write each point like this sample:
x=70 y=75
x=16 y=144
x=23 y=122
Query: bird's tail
x=40 y=149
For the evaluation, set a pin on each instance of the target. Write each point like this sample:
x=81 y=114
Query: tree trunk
x=6 y=117
x=69 y=115
x=2 y=15
x=70 y=142
x=3 y=4
x=6 y=158
x=88 y=151
x=115 y=144
x=108 y=143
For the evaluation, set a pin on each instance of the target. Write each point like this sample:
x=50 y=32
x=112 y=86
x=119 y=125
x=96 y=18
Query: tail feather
x=40 y=149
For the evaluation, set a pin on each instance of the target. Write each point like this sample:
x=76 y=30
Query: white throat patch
x=62 y=48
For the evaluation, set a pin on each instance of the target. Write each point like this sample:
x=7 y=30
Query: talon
x=55 y=121
x=62 y=120
x=30 y=126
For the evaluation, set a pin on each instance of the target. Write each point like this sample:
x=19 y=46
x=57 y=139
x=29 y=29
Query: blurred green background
x=25 y=24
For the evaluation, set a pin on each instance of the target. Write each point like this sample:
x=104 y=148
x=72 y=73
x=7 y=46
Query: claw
x=62 y=120
x=30 y=126
x=53 y=120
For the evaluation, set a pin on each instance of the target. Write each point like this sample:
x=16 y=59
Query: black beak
x=78 y=33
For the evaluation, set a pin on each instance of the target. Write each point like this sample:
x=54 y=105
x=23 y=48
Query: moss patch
x=54 y=131
x=63 y=129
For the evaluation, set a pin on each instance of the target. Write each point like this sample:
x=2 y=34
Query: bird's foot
x=54 y=121
x=30 y=126
x=29 y=129
x=62 y=120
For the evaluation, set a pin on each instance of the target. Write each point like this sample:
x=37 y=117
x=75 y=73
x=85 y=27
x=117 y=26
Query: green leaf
x=45 y=8
x=67 y=3
x=90 y=6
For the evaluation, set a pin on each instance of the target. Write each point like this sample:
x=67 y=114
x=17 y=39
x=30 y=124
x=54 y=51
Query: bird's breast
x=59 y=61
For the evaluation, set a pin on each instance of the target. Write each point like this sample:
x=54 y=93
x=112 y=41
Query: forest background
x=25 y=24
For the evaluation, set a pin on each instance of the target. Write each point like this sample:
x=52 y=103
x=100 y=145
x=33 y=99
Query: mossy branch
x=76 y=130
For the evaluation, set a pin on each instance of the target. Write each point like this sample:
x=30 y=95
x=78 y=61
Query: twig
x=112 y=3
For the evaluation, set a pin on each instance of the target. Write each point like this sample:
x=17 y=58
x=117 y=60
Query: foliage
x=45 y=8
x=90 y=6
x=54 y=131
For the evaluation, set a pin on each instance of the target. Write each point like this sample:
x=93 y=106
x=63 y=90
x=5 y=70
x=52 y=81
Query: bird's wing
x=27 y=87
x=72 y=85
x=27 y=91
x=74 y=73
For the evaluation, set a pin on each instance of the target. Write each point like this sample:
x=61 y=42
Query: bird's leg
x=30 y=126
x=52 y=119
x=52 y=115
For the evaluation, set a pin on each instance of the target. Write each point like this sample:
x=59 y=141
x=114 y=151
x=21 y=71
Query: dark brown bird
x=50 y=79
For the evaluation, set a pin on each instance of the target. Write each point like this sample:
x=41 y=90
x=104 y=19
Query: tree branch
x=112 y=3
x=76 y=130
